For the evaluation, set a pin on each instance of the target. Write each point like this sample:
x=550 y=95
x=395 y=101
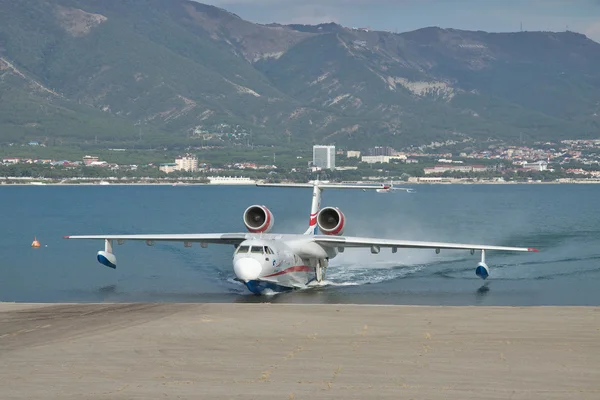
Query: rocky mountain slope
x=181 y=72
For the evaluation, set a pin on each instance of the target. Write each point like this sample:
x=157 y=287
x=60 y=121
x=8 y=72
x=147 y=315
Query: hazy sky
x=404 y=15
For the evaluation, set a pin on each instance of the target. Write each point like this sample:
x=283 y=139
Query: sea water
x=562 y=221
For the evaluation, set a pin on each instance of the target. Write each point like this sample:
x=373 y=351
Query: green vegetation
x=282 y=156
x=76 y=154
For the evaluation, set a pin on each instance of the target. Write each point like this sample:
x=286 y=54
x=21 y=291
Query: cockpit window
x=242 y=249
x=268 y=250
x=256 y=249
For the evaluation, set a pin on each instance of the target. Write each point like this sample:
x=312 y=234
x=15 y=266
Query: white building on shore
x=324 y=157
x=536 y=166
x=187 y=162
x=167 y=168
x=230 y=180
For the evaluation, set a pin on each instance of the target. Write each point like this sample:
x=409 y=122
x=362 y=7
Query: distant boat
x=389 y=188
x=386 y=188
x=103 y=183
x=35 y=242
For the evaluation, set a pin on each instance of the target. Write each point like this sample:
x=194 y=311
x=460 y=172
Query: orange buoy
x=35 y=243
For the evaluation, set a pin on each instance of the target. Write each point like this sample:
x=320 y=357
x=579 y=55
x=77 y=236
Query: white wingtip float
x=270 y=263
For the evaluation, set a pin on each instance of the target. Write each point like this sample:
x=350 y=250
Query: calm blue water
x=563 y=221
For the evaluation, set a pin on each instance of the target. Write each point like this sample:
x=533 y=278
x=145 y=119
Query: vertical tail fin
x=314 y=210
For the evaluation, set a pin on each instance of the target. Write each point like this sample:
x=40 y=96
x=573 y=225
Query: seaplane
x=269 y=263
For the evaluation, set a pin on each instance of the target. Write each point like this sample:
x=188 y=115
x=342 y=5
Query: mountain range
x=165 y=72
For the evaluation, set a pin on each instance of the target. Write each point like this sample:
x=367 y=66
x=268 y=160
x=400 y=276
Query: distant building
x=381 y=159
x=375 y=159
x=98 y=164
x=168 y=168
x=87 y=160
x=381 y=151
x=416 y=179
x=187 y=162
x=324 y=157
x=536 y=166
x=231 y=180
x=353 y=154
x=440 y=169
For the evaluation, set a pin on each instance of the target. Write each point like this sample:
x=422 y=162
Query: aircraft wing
x=349 y=241
x=217 y=238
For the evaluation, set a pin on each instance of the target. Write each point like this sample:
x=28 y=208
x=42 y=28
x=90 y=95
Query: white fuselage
x=275 y=265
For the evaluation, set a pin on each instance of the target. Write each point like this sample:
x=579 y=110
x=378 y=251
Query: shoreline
x=38 y=183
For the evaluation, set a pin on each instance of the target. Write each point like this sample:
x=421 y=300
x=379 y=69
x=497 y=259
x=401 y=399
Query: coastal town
x=565 y=161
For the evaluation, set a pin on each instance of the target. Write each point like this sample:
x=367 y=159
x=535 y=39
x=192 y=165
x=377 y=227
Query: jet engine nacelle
x=331 y=221
x=482 y=270
x=258 y=219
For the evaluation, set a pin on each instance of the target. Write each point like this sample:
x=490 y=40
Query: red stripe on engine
x=339 y=227
x=532 y=249
x=297 y=268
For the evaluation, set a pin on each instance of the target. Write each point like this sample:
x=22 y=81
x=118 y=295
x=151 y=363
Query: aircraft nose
x=247 y=269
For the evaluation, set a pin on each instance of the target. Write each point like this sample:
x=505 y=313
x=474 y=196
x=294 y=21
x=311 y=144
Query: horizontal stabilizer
x=321 y=185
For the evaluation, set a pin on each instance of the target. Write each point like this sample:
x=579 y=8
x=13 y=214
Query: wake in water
x=362 y=275
x=354 y=268
x=506 y=267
